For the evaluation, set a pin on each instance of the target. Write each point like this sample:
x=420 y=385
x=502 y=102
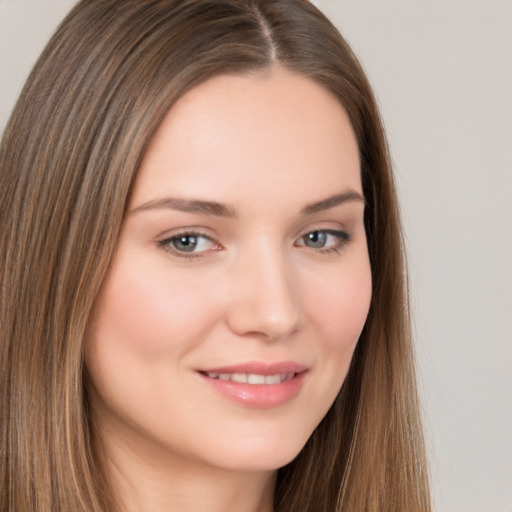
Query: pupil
x=317 y=239
x=186 y=243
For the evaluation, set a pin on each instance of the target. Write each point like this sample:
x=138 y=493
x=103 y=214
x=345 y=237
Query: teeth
x=273 y=379
x=252 y=378
x=255 y=379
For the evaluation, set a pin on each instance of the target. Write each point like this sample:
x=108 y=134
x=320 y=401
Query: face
x=241 y=282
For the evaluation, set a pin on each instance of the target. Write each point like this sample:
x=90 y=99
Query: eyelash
x=166 y=244
x=343 y=238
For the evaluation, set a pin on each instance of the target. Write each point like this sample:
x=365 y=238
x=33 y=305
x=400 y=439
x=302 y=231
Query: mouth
x=252 y=378
x=257 y=385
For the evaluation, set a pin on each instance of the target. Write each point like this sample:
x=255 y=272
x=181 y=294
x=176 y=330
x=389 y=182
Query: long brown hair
x=67 y=161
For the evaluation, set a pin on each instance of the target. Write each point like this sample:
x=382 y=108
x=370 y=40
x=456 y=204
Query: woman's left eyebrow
x=332 y=201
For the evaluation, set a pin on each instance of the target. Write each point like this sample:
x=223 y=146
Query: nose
x=264 y=300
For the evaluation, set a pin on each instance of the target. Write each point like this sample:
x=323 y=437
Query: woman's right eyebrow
x=190 y=206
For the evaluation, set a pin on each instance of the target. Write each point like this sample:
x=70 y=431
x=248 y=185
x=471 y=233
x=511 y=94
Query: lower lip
x=259 y=396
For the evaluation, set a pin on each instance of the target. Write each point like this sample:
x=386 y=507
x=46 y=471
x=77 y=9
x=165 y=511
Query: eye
x=188 y=244
x=325 y=240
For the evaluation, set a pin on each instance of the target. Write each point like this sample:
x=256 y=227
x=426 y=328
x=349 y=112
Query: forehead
x=238 y=136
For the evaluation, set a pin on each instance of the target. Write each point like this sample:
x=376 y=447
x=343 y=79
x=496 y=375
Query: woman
x=203 y=292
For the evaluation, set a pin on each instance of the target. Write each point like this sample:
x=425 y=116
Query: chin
x=260 y=455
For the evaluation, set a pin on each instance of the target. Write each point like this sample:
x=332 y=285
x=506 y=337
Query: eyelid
x=342 y=235
x=165 y=243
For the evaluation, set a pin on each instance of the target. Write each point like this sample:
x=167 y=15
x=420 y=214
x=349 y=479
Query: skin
x=255 y=288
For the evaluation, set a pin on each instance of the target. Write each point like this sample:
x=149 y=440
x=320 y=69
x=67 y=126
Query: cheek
x=142 y=309
x=145 y=323
x=336 y=307
x=340 y=304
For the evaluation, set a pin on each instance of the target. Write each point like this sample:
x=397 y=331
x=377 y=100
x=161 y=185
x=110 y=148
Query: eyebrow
x=332 y=201
x=222 y=210
x=189 y=206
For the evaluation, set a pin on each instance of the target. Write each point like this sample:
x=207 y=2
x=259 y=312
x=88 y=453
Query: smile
x=257 y=385
x=252 y=378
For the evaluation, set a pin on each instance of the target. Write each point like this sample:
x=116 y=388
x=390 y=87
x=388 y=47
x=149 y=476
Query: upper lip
x=259 y=368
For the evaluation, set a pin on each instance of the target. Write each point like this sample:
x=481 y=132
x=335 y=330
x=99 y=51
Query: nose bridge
x=264 y=300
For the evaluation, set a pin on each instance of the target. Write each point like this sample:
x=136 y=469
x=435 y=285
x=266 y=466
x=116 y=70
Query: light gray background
x=442 y=71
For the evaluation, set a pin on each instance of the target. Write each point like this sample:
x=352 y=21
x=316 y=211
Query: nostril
x=267 y=325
